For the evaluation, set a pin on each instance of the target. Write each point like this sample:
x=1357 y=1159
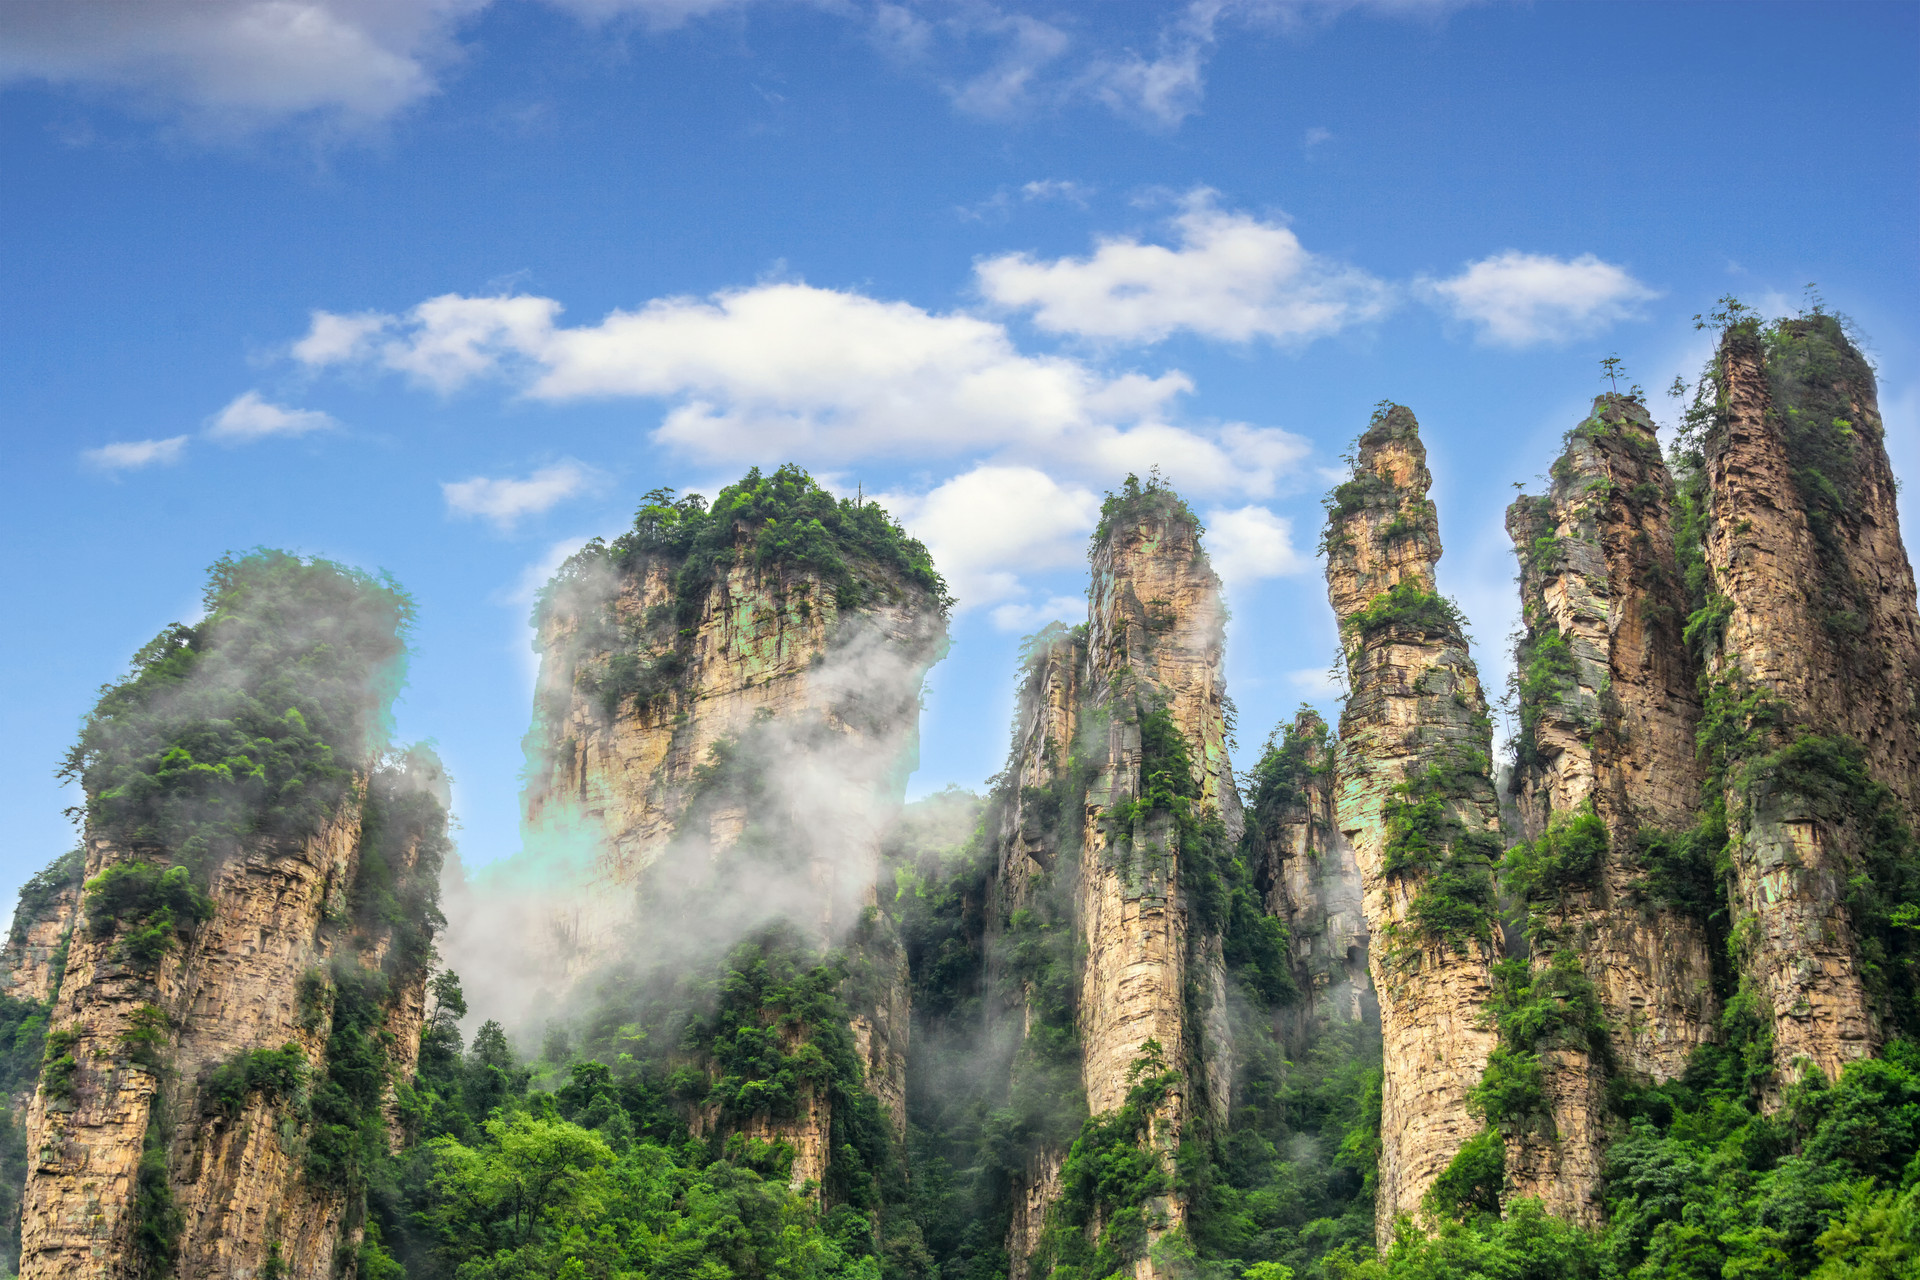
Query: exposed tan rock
x=1415 y=702
x=1819 y=620
x=43 y=919
x=1609 y=713
x=1153 y=639
x=825 y=699
x=238 y=1181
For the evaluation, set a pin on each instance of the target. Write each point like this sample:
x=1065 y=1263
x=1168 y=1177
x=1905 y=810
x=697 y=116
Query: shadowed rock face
x=145 y=1041
x=1816 y=635
x=770 y=702
x=1609 y=712
x=1305 y=870
x=1415 y=731
x=1152 y=646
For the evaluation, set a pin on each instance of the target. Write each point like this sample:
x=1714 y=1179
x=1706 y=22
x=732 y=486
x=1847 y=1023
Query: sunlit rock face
x=1149 y=971
x=146 y=1043
x=1609 y=712
x=723 y=750
x=1812 y=632
x=1415 y=705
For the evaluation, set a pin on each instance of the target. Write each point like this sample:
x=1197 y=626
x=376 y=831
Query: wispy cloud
x=1230 y=276
x=249 y=418
x=132 y=455
x=785 y=370
x=1523 y=299
x=1250 y=543
x=507 y=500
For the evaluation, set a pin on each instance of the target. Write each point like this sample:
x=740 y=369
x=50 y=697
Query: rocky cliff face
x=43 y=921
x=1415 y=802
x=1813 y=654
x=1114 y=720
x=723 y=730
x=1608 y=712
x=174 y=1102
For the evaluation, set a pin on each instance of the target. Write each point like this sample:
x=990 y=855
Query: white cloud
x=1232 y=277
x=232 y=61
x=988 y=525
x=785 y=370
x=131 y=455
x=1250 y=543
x=249 y=417
x=1520 y=299
x=1031 y=616
x=1316 y=682
x=1064 y=189
x=333 y=339
x=505 y=501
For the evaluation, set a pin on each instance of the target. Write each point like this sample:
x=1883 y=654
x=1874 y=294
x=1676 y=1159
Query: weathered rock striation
x=1305 y=870
x=43 y=921
x=1416 y=803
x=1608 y=715
x=714 y=688
x=1120 y=755
x=1813 y=653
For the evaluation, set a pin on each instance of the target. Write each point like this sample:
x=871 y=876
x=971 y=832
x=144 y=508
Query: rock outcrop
x=170 y=1104
x=1120 y=756
x=1415 y=801
x=1608 y=716
x=1306 y=872
x=1813 y=652
x=43 y=920
x=712 y=711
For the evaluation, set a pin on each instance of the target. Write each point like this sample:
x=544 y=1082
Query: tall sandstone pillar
x=1609 y=712
x=1415 y=732
x=1813 y=630
x=678 y=708
x=1150 y=970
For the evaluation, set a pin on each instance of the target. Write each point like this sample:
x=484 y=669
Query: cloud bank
x=1525 y=299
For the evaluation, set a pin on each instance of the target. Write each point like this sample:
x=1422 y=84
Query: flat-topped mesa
x=1118 y=797
x=1416 y=802
x=1608 y=715
x=1813 y=657
x=245 y=978
x=730 y=695
x=1305 y=871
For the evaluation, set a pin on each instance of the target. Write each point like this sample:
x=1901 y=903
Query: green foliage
x=1110 y=1176
x=275 y=1074
x=58 y=1064
x=1527 y=1244
x=247 y=723
x=1565 y=858
x=149 y=906
x=348 y=1134
x=148 y=1034
x=776 y=524
x=39 y=894
x=1474 y=1180
x=403 y=844
x=1544 y=674
x=1426 y=837
x=1136 y=503
x=157 y=1220
x=1409 y=609
x=1535 y=1005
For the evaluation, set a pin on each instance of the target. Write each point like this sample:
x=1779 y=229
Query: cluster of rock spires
x=1693 y=652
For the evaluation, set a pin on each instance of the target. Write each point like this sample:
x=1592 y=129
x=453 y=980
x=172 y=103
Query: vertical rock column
x=800 y=694
x=1305 y=870
x=1813 y=606
x=1608 y=712
x=1156 y=635
x=1029 y=851
x=1415 y=731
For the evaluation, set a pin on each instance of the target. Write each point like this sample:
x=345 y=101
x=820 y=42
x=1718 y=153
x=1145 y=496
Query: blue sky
x=441 y=287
